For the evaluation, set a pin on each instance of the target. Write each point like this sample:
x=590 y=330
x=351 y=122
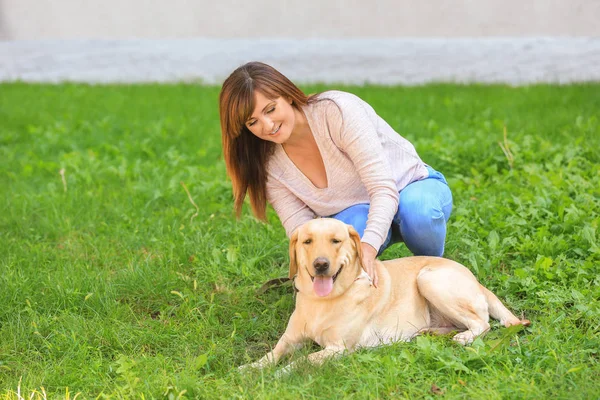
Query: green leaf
x=589 y=234
x=493 y=240
x=200 y=361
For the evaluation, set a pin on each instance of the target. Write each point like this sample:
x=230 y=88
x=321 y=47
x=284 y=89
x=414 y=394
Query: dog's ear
x=355 y=237
x=293 y=264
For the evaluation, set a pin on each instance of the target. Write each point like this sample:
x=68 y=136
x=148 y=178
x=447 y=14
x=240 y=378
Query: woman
x=328 y=155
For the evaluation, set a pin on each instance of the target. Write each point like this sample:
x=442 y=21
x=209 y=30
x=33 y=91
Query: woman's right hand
x=369 y=254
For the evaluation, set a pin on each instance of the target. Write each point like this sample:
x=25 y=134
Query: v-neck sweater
x=365 y=160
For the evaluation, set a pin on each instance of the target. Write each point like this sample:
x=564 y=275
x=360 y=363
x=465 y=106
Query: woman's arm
x=353 y=128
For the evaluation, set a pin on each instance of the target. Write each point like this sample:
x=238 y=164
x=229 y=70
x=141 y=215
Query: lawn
x=114 y=285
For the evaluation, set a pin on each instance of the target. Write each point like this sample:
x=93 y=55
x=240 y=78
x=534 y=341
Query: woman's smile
x=275 y=131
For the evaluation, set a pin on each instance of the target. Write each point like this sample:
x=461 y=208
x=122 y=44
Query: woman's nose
x=268 y=124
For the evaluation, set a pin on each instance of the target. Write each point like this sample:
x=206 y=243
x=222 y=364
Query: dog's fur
x=415 y=295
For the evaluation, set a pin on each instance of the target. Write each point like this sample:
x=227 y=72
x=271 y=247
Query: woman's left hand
x=368 y=261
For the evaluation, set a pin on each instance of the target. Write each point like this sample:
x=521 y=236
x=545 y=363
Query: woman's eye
x=270 y=110
x=308 y=241
x=335 y=241
x=249 y=124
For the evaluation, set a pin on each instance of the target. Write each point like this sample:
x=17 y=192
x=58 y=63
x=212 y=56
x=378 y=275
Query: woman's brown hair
x=246 y=155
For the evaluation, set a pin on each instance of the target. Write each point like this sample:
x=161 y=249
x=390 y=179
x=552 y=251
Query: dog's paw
x=283 y=372
x=464 y=338
x=247 y=367
x=515 y=321
x=260 y=364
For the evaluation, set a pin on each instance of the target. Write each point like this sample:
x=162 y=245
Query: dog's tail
x=498 y=311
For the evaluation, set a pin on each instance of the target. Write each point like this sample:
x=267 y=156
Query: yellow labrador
x=339 y=308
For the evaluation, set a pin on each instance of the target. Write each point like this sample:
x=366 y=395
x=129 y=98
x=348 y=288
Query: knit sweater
x=366 y=161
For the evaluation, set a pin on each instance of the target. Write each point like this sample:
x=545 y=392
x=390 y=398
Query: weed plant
x=117 y=283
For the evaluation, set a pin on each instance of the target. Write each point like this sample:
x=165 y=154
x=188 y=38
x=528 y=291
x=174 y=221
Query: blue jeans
x=423 y=210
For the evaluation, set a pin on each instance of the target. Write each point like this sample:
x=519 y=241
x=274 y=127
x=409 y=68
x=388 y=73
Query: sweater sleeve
x=292 y=211
x=354 y=131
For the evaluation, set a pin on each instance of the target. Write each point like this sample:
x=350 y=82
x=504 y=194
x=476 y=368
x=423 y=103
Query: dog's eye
x=308 y=241
x=335 y=241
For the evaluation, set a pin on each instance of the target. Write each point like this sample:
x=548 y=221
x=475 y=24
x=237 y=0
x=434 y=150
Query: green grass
x=111 y=287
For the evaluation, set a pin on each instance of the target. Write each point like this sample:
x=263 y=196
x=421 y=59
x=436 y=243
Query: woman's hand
x=368 y=261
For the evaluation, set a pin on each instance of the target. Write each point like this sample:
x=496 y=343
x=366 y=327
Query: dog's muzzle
x=321 y=265
x=322 y=283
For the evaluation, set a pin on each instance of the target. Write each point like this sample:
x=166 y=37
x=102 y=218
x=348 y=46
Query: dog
x=338 y=307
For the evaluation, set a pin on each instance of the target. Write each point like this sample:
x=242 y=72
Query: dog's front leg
x=316 y=358
x=291 y=340
x=284 y=346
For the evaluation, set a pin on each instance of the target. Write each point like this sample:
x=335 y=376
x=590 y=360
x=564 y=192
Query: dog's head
x=325 y=254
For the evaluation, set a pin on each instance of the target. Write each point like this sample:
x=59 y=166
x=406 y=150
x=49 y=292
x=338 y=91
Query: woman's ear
x=293 y=264
x=355 y=237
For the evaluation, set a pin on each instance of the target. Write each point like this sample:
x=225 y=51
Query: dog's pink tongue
x=323 y=285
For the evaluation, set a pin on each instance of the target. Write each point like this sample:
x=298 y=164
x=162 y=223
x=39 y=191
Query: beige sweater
x=366 y=161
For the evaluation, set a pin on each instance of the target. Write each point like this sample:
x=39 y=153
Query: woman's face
x=272 y=119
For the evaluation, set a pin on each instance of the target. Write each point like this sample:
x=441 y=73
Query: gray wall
x=153 y=19
x=335 y=41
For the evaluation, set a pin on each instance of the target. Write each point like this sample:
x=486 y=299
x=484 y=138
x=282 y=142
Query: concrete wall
x=343 y=41
x=165 y=19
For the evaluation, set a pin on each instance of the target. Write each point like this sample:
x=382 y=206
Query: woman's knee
x=421 y=211
x=423 y=223
x=425 y=201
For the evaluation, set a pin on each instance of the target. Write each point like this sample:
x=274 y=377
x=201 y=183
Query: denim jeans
x=423 y=210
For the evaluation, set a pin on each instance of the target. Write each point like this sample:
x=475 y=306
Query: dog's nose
x=321 y=264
